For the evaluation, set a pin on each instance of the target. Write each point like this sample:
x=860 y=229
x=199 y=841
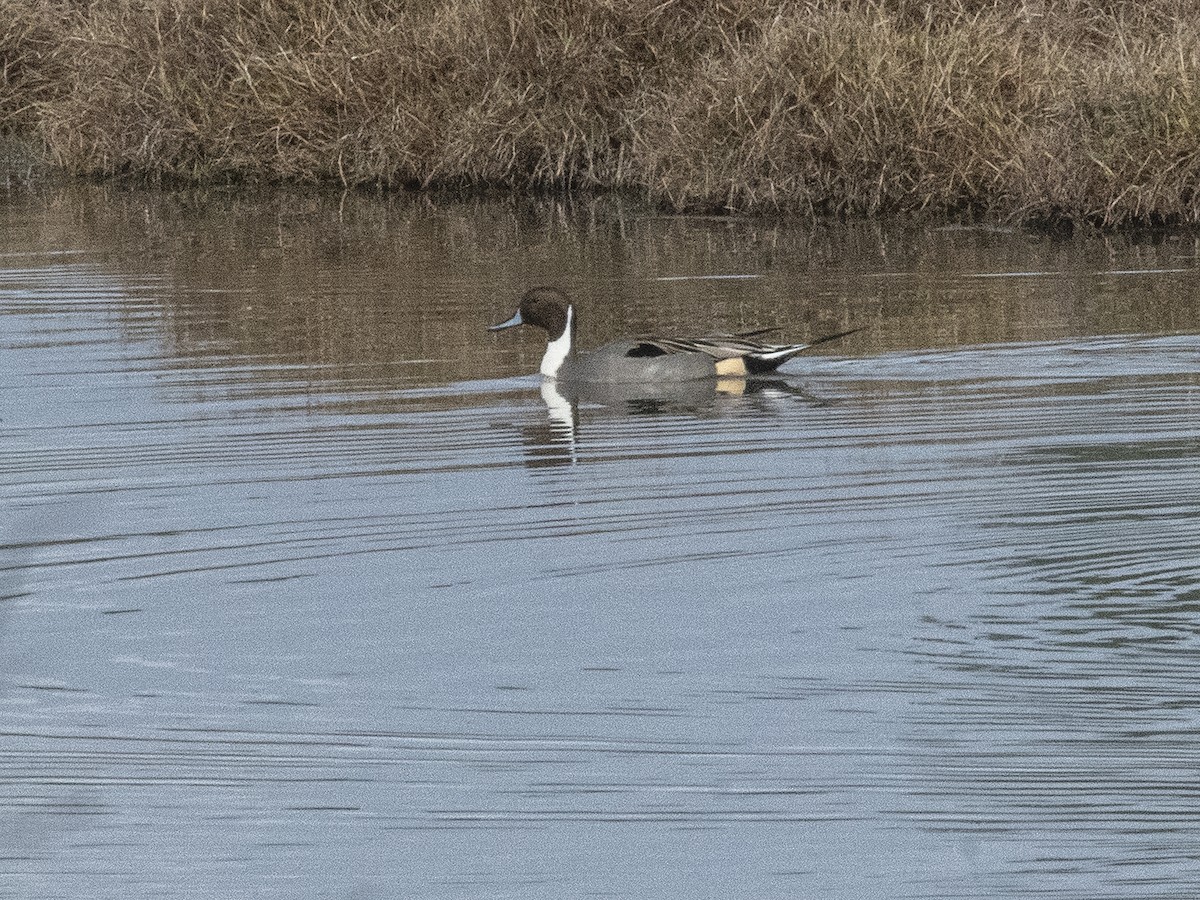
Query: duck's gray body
x=619 y=363
x=648 y=360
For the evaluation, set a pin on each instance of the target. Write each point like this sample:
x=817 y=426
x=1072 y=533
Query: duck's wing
x=759 y=355
x=721 y=346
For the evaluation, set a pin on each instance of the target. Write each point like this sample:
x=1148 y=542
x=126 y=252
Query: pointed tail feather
x=787 y=351
x=773 y=358
x=832 y=337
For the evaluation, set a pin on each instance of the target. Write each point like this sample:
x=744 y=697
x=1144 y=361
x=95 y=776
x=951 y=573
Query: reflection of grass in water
x=374 y=292
x=1082 y=109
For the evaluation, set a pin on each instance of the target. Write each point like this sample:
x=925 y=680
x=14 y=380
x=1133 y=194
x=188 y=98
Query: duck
x=646 y=360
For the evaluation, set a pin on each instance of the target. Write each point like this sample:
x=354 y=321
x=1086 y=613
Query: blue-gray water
x=307 y=593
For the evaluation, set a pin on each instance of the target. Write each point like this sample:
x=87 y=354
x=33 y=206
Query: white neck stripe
x=558 y=349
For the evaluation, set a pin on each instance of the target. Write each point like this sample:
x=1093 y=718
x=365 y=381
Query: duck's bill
x=511 y=323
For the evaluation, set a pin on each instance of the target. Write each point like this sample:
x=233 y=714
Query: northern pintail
x=646 y=360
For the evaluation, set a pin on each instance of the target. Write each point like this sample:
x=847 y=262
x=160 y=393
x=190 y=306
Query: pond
x=306 y=590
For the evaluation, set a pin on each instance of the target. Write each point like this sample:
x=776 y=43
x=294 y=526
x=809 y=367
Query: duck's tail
x=769 y=358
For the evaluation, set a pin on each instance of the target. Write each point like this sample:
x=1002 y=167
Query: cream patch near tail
x=735 y=365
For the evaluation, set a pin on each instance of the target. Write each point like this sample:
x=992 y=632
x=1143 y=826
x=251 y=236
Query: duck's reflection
x=555 y=442
x=551 y=443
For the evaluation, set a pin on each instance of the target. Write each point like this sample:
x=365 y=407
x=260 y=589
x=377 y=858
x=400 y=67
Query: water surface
x=306 y=591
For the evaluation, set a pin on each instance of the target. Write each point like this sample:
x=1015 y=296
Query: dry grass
x=1076 y=110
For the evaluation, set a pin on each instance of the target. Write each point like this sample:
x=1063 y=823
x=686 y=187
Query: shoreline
x=1051 y=115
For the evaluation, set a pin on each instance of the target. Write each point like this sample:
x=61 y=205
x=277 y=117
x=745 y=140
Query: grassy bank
x=1079 y=110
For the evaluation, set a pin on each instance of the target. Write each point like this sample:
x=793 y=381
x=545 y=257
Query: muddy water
x=308 y=591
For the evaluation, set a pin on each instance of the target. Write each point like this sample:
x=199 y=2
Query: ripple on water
x=259 y=626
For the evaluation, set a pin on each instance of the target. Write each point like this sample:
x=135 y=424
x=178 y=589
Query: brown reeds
x=1078 y=110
